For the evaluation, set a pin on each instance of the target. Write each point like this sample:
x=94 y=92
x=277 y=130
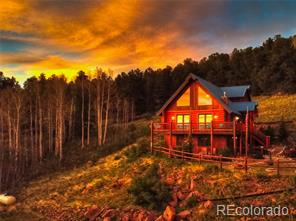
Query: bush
x=135 y=151
x=262 y=177
x=211 y=168
x=283 y=132
x=225 y=152
x=148 y=191
x=269 y=131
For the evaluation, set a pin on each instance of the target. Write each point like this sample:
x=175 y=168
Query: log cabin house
x=212 y=117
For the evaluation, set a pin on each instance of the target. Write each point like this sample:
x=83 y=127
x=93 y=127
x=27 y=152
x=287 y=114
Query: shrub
x=269 y=131
x=211 y=168
x=262 y=177
x=283 y=132
x=148 y=191
x=225 y=152
x=135 y=151
x=192 y=201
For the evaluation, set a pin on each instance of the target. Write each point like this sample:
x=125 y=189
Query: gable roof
x=215 y=91
x=236 y=91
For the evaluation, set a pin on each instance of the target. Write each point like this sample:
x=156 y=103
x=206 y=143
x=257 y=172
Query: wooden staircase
x=261 y=138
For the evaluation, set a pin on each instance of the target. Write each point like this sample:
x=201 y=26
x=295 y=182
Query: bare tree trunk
x=99 y=128
x=70 y=119
x=82 y=115
x=40 y=129
x=49 y=130
x=31 y=130
x=9 y=131
x=61 y=127
x=107 y=113
x=56 y=149
x=88 y=115
x=2 y=132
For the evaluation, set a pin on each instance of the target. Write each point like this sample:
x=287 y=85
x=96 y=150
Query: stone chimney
x=225 y=98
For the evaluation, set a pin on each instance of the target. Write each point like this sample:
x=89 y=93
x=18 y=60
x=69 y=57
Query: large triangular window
x=203 y=98
x=184 y=100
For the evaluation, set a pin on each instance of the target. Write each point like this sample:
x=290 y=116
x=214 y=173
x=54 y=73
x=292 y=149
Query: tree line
x=269 y=68
x=38 y=119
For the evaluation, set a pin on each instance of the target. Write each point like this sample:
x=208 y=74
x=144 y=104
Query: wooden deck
x=223 y=128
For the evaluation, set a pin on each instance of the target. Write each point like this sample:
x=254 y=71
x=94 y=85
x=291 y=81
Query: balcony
x=194 y=128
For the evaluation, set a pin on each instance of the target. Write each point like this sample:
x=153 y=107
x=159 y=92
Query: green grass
x=276 y=108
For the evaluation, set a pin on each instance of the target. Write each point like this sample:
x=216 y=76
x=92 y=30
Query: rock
x=192 y=184
x=92 y=213
x=107 y=213
x=174 y=201
x=11 y=208
x=169 y=213
x=7 y=200
x=208 y=204
x=170 y=181
x=180 y=195
x=184 y=214
x=125 y=217
x=160 y=218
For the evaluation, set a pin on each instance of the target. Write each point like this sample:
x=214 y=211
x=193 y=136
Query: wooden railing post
x=212 y=137
x=234 y=137
x=220 y=162
x=246 y=164
x=278 y=167
x=199 y=158
x=240 y=144
x=151 y=136
x=171 y=141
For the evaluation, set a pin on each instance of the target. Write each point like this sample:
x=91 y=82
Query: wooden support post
x=151 y=137
x=220 y=162
x=171 y=141
x=278 y=167
x=234 y=138
x=240 y=144
x=212 y=137
x=246 y=164
x=199 y=158
x=267 y=141
x=247 y=139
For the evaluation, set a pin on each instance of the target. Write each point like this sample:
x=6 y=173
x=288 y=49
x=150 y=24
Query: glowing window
x=184 y=100
x=183 y=119
x=204 y=98
x=204 y=121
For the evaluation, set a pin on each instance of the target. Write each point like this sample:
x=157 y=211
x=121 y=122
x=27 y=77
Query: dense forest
x=39 y=118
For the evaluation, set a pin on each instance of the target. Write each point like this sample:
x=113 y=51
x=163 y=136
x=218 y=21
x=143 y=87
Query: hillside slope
x=104 y=182
x=276 y=108
x=68 y=195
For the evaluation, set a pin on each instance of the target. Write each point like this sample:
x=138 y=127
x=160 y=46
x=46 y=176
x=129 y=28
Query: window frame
x=199 y=88
x=189 y=94
x=205 y=124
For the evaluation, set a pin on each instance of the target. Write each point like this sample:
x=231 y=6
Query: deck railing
x=192 y=127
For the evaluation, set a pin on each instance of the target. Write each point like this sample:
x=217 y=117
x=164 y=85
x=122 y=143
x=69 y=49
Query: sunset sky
x=55 y=36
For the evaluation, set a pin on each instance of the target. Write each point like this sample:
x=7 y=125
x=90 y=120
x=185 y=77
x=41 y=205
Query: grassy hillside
x=105 y=181
x=275 y=108
x=67 y=195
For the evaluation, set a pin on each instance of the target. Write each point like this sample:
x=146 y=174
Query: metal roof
x=217 y=92
x=243 y=106
x=236 y=91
